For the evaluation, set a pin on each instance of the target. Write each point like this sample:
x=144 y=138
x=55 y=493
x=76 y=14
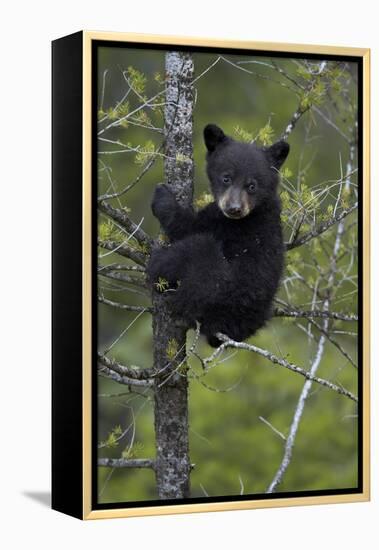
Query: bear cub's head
x=243 y=176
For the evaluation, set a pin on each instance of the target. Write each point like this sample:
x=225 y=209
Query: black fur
x=224 y=271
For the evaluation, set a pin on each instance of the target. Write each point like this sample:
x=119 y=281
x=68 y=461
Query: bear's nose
x=234 y=210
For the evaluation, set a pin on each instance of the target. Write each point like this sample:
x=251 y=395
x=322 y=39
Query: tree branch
x=135 y=181
x=126 y=462
x=124 y=250
x=126 y=307
x=123 y=219
x=329 y=292
x=238 y=65
x=334 y=343
x=120 y=267
x=229 y=343
x=317 y=231
x=290 y=441
x=131 y=372
x=108 y=373
x=116 y=276
x=119 y=121
x=302 y=109
x=315 y=313
x=294 y=120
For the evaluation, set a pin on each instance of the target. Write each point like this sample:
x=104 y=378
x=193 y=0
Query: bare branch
x=229 y=343
x=120 y=267
x=275 y=430
x=238 y=65
x=130 y=279
x=125 y=250
x=300 y=111
x=335 y=343
x=126 y=462
x=205 y=71
x=133 y=372
x=126 y=307
x=126 y=381
x=315 y=313
x=331 y=123
x=297 y=417
x=146 y=168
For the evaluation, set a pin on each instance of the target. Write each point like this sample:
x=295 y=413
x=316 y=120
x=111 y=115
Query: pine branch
x=317 y=231
x=121 y=217
x=118 y=122
x=302 y=107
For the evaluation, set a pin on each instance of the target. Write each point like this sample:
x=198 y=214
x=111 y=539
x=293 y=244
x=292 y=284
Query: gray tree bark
x=172 y=466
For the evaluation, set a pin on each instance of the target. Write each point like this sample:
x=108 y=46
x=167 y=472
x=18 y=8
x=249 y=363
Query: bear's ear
x=213 y=136
x=278 y=153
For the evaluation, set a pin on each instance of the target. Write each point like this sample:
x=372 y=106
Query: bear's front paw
x=161 y=270
x=163 y=201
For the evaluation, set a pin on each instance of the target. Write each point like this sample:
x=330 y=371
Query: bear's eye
x=252 y=186
x=226 y=179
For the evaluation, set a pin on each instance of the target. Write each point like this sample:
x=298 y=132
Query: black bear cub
x=224 y=263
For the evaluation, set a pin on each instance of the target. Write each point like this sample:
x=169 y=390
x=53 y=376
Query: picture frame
x=78 y=82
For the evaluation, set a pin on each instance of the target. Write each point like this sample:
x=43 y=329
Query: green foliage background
x=231 y=447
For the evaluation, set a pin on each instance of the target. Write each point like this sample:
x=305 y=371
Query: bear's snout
x=235 y=203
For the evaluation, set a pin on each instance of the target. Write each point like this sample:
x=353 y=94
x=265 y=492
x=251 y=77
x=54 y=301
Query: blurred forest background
x=241 y=410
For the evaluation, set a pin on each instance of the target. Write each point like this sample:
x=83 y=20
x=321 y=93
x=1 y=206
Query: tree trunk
x=169 y=335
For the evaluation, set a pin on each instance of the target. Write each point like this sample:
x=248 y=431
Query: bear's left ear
x=278 y=153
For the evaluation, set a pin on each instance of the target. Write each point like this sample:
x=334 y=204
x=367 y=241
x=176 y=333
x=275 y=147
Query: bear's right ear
x=213 y=137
